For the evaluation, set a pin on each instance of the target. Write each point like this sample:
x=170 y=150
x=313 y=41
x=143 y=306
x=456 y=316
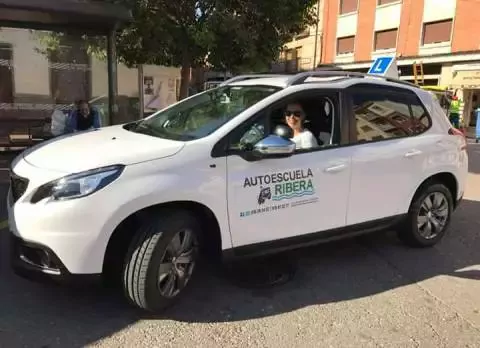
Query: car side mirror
x=274 y=146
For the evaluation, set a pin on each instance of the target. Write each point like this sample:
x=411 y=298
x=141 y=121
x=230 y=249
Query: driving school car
x=217 y=174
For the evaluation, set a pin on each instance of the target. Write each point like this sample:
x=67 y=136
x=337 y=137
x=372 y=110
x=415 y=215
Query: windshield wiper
x=144 y=128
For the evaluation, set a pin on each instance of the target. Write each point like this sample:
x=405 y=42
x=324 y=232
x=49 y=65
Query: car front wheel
x=161 y=260
x=428 y=217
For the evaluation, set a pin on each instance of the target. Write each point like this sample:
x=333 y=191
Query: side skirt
x=276 y=246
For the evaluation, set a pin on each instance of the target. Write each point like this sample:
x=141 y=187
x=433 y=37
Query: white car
x=220 y=172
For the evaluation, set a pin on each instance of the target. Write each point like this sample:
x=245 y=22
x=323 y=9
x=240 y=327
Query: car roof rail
x=301 y=77
x=248 y=77
x=327 y=66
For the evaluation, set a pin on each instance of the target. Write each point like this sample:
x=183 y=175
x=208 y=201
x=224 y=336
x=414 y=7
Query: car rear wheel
x=428 y=217
x=161 y=260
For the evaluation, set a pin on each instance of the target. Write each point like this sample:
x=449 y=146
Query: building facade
x=438 y=35
x=304 y=51
x=35 y=83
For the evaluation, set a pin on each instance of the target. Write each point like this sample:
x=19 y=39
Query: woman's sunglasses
x=290 y=113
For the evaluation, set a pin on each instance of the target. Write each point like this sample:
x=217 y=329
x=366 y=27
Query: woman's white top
x=305 y=140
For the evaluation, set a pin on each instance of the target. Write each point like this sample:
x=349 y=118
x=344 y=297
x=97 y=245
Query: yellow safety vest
x=455 y=106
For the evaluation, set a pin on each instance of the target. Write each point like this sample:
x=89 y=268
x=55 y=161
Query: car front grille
x=18 y=186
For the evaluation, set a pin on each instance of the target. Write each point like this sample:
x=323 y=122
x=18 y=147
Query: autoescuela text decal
x=282 y=186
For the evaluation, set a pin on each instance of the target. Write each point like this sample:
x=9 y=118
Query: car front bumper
x=71 y=233
x=38 y=262
x=75 y=233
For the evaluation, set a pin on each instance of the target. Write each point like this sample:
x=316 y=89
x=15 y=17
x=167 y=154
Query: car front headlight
x=77 y=185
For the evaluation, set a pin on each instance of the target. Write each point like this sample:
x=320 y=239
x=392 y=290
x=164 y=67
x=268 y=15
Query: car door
x=387 y=153
x=273 y=199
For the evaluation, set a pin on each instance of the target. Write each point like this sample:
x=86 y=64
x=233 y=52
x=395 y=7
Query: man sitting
x=82 y=118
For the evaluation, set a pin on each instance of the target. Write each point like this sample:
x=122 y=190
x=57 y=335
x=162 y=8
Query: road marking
x=3 y=224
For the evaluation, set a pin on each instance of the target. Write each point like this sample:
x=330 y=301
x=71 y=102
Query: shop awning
x=87 y=15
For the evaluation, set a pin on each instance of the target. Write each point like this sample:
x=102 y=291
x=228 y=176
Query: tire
x=155 y=244
x=415 y=230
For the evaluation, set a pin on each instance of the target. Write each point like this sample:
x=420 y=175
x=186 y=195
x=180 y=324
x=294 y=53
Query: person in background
x=82 y=118
x=445 y=101
x=454 y=114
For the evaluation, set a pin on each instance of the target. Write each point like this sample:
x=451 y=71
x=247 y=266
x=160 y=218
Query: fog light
x=37 y=257
x=44 y=259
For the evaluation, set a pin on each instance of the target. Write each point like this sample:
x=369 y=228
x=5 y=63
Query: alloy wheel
x=433 y=215
x=177 y=264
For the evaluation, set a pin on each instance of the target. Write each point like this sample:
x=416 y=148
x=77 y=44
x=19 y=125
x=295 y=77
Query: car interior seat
x=318 y=119
x=326 y=133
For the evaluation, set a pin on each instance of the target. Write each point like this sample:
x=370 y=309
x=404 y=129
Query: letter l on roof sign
x=384 y=66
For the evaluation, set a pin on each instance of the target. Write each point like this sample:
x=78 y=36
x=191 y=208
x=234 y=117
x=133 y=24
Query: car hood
x=99 y=148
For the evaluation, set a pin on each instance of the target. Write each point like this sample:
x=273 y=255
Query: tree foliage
x=229 y=35
x=252 y=36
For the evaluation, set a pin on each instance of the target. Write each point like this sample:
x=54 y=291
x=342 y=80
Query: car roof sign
x=384 y=66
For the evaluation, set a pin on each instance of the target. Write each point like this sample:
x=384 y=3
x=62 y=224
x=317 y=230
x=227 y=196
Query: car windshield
x=202 y=114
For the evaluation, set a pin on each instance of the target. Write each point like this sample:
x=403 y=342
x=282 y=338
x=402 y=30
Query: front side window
x=388 y=115
x=310 y=120
x=202 y=114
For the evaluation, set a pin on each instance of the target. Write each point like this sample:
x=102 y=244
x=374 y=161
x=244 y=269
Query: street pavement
x=368 y=292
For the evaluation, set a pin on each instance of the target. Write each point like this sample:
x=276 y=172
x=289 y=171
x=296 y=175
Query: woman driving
x=295 y=117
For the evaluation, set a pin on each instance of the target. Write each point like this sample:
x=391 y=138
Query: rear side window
x=381 y=115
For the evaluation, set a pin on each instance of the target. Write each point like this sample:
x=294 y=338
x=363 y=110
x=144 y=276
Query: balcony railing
x=304 y=34
x=291 y=65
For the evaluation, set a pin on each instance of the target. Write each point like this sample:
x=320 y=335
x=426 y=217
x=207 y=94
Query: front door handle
x=413 y=153
x=336 y=168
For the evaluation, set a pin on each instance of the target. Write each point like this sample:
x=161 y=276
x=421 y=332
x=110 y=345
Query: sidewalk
x=470 y=133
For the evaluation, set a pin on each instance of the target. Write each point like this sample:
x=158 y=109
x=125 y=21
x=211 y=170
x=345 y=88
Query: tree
x=250 y=37
x=232 y=35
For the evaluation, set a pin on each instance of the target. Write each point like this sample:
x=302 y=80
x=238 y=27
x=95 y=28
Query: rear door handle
x=413 y=153
x=336 y=168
